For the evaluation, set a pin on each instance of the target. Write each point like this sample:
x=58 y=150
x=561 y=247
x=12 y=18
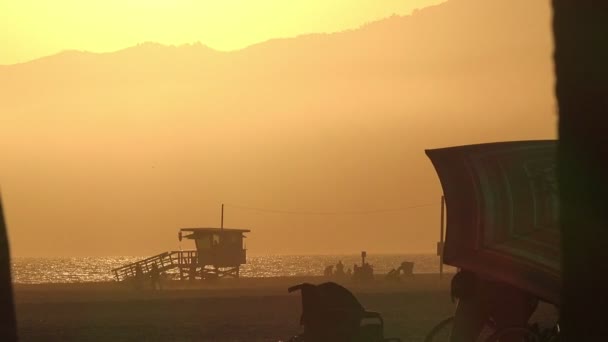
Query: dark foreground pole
x=581 y=64
x=440 y=245
x=8 y=322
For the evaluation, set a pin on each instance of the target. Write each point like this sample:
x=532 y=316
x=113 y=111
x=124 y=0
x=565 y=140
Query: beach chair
x=330 y=312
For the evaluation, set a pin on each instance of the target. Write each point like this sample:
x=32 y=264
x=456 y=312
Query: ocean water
x=95 y=269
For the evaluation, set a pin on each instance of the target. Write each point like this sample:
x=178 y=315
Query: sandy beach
x=228 y=310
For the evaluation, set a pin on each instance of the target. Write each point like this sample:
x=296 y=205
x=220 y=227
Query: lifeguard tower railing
x=164 y=261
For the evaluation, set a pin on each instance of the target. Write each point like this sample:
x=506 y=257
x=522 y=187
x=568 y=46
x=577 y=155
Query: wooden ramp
x=164 y=261
x=188 y=263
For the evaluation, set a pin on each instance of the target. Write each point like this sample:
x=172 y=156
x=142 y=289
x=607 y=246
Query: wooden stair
x=164 y=261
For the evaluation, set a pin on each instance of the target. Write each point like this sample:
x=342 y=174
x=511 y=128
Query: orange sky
x=34 y=28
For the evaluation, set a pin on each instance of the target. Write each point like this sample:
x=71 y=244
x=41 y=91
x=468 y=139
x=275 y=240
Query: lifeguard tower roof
x=209 y=230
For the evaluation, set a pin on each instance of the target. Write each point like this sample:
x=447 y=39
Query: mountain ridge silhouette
x=395 y=21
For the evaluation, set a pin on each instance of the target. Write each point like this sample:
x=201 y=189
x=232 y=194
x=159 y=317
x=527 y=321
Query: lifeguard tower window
x=203 y=244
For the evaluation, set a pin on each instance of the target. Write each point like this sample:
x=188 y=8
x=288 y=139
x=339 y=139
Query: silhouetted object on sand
x=502 y=232
x=8 y=322
x=332 y=313
x=329 y=271
x=365 y=272
x=219 y=253
x=155 y=278
x=581 y=65
x=406 y=269
x=338 y=273
x=393 y=275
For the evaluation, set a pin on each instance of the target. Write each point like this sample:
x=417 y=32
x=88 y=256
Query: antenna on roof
x=222 y=224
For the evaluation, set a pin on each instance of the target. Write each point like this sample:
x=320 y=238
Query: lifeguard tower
x=220 y=252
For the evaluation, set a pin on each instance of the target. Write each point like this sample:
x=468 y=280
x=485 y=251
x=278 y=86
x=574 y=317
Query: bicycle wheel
x=441 y=331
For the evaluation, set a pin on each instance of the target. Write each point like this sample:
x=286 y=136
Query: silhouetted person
x=139 y=277
x=349 y=273
x=368 y=271
x=329 y=271
x=8 y=322
x=481 y=301
x=581 y=65
x=192 y=271
x=339 y=269
x=356 y=272
x=392 y=275
x=155 y=278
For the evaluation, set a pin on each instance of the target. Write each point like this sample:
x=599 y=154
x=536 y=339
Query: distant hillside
x=135 y=143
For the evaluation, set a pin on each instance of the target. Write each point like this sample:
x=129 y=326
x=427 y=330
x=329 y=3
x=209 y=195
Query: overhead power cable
x=362 y=212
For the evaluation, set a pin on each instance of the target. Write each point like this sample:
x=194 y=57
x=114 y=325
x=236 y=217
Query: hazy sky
x=33 y=28
x=110 y=154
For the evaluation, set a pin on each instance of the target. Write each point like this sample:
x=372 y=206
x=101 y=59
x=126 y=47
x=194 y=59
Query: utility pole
x=222 y=222
x=440 y=244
